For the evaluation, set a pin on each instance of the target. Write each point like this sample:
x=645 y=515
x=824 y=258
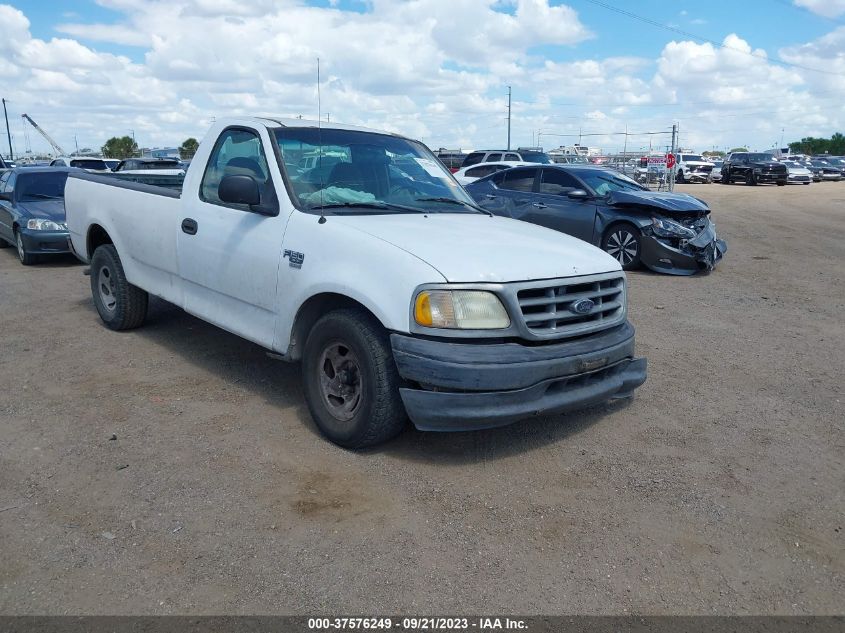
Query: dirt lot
x=719 y=489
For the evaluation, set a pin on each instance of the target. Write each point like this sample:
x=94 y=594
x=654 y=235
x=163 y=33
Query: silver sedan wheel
x=106 y=286
x=19 y=244
x=623 y=245
x=341 y=383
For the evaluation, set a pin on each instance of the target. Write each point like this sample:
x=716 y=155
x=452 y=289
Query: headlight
x=667 y=228
x=45 y=225
x=460 y=310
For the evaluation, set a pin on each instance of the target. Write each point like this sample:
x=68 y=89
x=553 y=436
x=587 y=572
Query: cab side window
x=238 y=152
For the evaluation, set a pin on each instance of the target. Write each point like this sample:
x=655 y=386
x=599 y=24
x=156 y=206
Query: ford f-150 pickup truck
x=374 y=268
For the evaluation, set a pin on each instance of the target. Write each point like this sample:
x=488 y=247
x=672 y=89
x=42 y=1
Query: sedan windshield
x=40 y=185
x=350 y=171
x=603 y=182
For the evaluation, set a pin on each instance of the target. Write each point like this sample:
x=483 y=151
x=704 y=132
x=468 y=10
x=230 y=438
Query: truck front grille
x=552 y=310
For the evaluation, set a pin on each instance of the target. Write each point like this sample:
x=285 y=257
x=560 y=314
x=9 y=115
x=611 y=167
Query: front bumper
x=467 y=386
x=674 y=257
x=799 y=179
x=770 y=176
x=44 y=242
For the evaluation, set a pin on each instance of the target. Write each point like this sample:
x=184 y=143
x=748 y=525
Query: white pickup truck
x=372 y=267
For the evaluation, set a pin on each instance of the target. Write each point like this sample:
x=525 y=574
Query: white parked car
x=396 y=293
x=716 y=174
x=798 y=174
x=94 y=165
x=466 y=175
x=692 y=168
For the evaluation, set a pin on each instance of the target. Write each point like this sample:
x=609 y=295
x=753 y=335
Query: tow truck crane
x=56 y=147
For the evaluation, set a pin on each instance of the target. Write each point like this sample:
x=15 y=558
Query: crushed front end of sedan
x=678 y=236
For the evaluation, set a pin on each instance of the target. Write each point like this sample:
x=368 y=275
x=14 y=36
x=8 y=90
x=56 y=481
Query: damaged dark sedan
x=666 y=232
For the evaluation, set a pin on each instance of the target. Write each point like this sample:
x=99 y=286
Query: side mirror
x=6 y=195
x=239 y=190
x=578 y=194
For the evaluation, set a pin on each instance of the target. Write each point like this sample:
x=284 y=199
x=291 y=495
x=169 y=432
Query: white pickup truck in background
x=372 y=267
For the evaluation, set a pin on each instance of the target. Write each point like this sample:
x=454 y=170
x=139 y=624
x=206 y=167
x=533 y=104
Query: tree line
x=835 y=145
x=126 y=147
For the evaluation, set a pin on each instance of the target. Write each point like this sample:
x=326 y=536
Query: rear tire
x=350 y=380
x=120 y=305
x=623 y=242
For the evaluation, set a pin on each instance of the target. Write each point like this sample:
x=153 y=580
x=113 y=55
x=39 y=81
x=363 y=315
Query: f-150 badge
x=294 y=258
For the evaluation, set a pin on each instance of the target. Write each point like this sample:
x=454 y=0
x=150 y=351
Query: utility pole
x=625 y=148
x=672 y=171
x=509 y=117
x=8 y=133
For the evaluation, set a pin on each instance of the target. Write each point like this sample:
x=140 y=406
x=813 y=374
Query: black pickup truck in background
x=752 y=168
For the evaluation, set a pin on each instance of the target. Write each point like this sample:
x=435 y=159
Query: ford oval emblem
x=582 y=306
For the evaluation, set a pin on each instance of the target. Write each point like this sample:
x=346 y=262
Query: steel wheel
x=106 y=286
x=623 y=244
x=341 y=383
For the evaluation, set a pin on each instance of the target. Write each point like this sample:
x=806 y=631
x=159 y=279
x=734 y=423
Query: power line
x=673 y=29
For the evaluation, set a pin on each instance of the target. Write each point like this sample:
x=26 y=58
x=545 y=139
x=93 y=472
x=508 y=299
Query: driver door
x=228 y=253
x=553 y=208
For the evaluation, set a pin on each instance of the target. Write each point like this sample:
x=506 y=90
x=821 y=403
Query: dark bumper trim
x=464 y=386
x=497 y=367
x=445 y=411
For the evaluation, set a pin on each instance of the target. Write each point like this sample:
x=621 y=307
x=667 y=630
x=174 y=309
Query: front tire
x=750 y=179
x=351 y=381
x=726 y=178
x=781 y=183
x=120 y=305
x=623 y=243
x=27 y=259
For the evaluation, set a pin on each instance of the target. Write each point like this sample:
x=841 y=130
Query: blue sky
x=435 y=70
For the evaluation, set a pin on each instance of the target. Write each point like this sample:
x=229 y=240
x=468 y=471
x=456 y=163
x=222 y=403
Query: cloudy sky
x=729 y=72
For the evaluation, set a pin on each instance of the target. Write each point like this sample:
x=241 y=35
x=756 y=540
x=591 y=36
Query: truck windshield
x=351 y=171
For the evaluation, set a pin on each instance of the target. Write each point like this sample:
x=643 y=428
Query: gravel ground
x=718 y=489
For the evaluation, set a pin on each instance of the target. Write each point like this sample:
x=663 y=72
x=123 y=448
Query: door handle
x=490 y=196
x=189 y=226
x=539 y=205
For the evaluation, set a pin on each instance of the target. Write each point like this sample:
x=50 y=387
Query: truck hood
x=662 y=201
x=479 y=248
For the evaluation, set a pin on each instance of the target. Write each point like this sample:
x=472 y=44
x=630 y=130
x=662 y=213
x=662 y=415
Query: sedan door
x=552 y=207
x=511 y=192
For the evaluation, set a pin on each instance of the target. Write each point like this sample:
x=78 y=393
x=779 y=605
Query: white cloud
x=826 y=8
x=425 y=68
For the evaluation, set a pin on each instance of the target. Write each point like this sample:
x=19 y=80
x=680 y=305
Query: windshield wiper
x=40 y=195
x=455 y=201
x=366 y=205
